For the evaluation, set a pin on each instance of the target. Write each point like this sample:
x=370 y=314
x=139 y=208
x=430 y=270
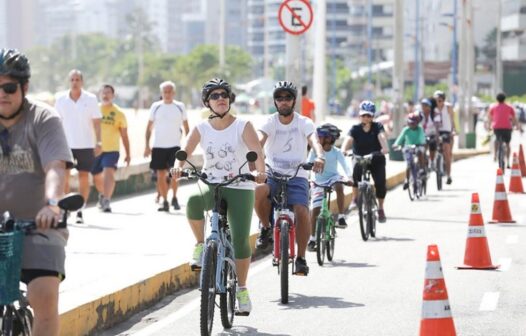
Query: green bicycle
x=325 y=225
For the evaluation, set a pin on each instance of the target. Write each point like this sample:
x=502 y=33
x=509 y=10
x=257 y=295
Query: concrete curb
x=114 y=308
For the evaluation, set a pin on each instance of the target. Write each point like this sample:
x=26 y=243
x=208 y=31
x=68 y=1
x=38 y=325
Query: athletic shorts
x=105 y=160
x=446 y=137
x=503 y=133
x=163 y=158
x=432 y=143
x=44 y=251
x=316 y=193
x=297 y=191
x=83 y=158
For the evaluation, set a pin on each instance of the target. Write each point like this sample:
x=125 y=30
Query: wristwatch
x=52 y=202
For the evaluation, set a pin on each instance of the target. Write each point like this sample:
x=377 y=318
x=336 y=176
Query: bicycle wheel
x=320 y=240
x=439 y=171
x=7 y=321
x=411 y=188
x=23 y=322
x=284 y=261
x=227 y=300
x=362 y=214
x=371 y=214
x=208 y=288
x=501 y=155
x=331 y=239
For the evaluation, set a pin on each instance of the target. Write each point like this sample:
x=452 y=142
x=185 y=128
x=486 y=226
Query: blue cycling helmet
x=426 y=101
x=367 y=107
x=327 y=130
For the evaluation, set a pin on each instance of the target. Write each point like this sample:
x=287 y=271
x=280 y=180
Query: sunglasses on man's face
x=4 y=143
x=9 y=88
x=283 y=98
x=216 y=96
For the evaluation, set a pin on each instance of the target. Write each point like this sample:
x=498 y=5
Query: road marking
x=189 y=307
x=489 y=301
x=505 y=264
x=512 y=239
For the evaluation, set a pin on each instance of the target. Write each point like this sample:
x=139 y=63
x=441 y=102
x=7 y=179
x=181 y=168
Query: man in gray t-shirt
x=33 y=158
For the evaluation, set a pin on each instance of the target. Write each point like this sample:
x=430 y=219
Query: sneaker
x=311 y=246
x=406 y=185
x=99 y=203
x=341 y=223
x=244 y=305
x=106 y=205
x=381 y=216
x=197 y=257
x=175 y=204
x=165 y=207
x=263 y=238
x=354 y=205
x=80 y=219
x=449 y=180
x=301 y=267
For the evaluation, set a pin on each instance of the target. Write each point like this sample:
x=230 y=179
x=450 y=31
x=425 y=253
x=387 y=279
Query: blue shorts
x=297 y=191
x=105 y=160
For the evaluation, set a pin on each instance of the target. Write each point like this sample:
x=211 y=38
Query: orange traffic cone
x=515 y=179
x=437 y=319
x=501 y=208
x=477 y=254
x=521 y=161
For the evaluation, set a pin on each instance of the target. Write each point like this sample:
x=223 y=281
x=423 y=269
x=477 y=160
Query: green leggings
x=240 y=204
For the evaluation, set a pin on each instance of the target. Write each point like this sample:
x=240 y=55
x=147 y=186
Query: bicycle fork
x=288 y=217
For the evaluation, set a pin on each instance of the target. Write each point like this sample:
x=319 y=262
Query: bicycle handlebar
x=347 y=183
x=283 y=177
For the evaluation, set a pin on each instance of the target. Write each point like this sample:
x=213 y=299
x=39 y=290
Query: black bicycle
x=367 y=204
x=218 y=273
x=16 y=316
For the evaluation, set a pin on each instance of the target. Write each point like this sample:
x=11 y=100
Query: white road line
x=512 y=239
x=489 y=301
x=189 y=307
x=505 y=264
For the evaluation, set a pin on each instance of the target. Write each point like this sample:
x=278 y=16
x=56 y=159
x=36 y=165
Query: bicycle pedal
x=195 y=268
x=238 y=313
x=300 y=273
x=275 y=262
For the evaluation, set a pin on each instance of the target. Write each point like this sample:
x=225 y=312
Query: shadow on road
x=385 y=238
x=245 y=330
x=299 y=301
x=343 y=263
x=408 y=219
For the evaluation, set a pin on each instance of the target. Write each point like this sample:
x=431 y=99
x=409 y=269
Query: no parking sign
x=295 y=16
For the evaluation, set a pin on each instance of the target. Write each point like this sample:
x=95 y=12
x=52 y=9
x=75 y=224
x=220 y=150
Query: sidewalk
x=120 y=263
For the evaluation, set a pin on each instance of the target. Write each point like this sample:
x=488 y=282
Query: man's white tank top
x=224 y=152
x=443 y=119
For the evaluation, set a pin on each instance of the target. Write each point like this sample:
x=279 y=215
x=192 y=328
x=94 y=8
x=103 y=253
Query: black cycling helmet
x=501 y=97
x=285 y=86
x=213 y=84
x=329 y=130
x=14 y=64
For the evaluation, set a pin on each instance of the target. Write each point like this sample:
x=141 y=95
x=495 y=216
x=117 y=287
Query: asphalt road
x=375 y=287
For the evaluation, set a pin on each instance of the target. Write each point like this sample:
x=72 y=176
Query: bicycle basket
x=10 y=264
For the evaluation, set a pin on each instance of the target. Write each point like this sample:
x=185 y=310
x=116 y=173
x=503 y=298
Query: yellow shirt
x=113 y=119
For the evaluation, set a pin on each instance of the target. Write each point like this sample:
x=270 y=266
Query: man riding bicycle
x=501 y=120
x=285 y=136
x=34 y=155
x=412 y=134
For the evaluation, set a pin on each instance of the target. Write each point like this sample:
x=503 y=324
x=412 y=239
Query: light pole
x=416 y=80
x=498 y=57
x=369 y=48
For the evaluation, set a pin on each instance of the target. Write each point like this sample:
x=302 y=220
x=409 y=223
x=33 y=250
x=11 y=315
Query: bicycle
x=284 y=231
x=218 y=272
x=15 y=313
x=325 y=226
x=501 y=152
x=417 y=177
x=438 y=163
x=367 y=204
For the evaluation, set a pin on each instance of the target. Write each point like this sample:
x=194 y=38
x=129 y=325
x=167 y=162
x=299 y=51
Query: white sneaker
x=197 y=257
x=244 y=305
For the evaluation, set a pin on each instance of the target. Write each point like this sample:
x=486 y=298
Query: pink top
x=501 y=116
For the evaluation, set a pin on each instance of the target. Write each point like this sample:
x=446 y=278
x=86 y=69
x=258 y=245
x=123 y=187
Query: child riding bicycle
x=412 y=134
x=328 y=134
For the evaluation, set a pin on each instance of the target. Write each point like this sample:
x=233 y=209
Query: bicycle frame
x=283 y=213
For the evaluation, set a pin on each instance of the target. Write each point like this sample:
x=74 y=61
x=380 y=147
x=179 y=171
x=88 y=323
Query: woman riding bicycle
x=366 y=138
x=427 y=116
x=412 y=134
x=226 y=140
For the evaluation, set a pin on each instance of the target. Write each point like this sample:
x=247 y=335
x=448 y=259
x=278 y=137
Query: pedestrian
x=113 y=128
x=307 y=105
x=81 y=118
x=34 y=155
x=285 y=136
x=167 y=120
x=226 y=140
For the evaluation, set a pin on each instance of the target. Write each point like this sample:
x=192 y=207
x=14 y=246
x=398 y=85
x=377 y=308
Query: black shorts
x=84 y=159
x=446 y=136
x=163 y=158
x=431 y=142
x=29 y=275
x=503 y=133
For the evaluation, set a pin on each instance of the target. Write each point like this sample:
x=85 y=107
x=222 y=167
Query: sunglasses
x=9 y=88
x=216 y=96
x=283 y=98
x=4 y=143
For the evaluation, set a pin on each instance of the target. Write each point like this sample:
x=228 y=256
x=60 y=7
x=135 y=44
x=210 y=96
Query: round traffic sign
x=295 y=16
